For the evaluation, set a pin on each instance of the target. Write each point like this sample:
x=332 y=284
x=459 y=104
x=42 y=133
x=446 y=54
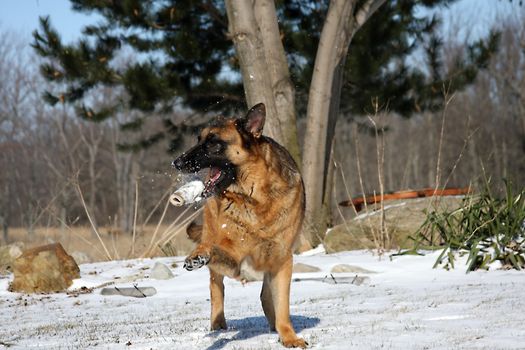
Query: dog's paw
x=219 y=324
x=295 y=343
x=196 y=262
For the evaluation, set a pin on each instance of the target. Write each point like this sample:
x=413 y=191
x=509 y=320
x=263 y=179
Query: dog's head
x=223 y=146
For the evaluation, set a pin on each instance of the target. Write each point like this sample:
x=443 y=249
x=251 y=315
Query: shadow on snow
x=250 y=327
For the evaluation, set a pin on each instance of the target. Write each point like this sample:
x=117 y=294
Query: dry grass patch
x=120 y=245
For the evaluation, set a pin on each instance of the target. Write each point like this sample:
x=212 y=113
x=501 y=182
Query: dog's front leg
x=218 y=320
x=280 y=289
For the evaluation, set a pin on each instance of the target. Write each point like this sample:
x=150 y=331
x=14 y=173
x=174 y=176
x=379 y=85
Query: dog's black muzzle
x=193 y=160
x=187 y=164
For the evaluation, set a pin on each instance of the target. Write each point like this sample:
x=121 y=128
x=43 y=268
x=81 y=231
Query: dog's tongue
x=215 y=173
x=213 y=176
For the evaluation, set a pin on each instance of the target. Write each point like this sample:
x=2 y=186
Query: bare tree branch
x=365 y=12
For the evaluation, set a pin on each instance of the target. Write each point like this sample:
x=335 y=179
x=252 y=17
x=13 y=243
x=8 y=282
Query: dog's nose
x=177 y=163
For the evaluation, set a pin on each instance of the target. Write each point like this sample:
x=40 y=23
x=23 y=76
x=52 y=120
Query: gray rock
x=161 y=272
x=402 y=219
x=348 y=237
x=342 y=268
x=136 y=292
x=359 y=280
x=304 y=268
x=331 y=279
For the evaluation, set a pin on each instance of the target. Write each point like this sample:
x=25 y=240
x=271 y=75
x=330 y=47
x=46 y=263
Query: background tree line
x=101 y=80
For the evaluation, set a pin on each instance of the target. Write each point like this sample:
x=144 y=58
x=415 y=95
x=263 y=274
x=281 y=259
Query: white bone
x=187 y=194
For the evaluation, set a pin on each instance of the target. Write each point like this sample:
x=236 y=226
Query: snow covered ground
x=404 y=305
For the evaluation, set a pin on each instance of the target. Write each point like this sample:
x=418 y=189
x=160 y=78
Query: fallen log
x=359 y=202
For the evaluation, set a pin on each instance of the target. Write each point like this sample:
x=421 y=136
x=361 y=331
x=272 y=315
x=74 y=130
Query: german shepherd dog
x=253 y=214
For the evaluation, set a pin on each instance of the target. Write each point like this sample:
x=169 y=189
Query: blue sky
x=21 y=16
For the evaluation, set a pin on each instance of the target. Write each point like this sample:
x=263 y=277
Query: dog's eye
x=214 y=146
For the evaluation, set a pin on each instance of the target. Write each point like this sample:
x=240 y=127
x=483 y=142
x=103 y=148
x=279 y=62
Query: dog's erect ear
x=253 y=123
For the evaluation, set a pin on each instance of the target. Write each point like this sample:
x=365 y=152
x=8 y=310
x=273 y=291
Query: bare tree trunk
x=66 y=165
x=323 y=105
x=432 y=152
x=122 y=163
x=31 y=207
x=126 y=171
x=5 y=228
x=4 y=214
x=329 y=187
x=92 y=137
x=277 y=66
x=63 y=218
x=255 y=33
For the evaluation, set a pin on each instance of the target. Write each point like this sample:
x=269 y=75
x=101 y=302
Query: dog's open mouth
x=214 y=177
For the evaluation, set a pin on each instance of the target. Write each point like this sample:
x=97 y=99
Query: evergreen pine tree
x=183 y=55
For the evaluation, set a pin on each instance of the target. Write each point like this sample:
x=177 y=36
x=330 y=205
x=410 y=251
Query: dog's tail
x=194 y=232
